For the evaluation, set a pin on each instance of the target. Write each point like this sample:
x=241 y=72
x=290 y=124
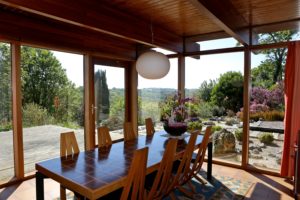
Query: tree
x=262 y=76
x=102 y=96
x=228 y=92
x=205 y=90
x=275 y=62
x=5 y=83
x=43 y=77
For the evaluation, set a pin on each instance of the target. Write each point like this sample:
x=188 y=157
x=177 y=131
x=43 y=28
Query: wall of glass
x=151 y=93
x=52 y=102
x=6 y=134
x=267 y=108
x=110 y=99
x=215 y=85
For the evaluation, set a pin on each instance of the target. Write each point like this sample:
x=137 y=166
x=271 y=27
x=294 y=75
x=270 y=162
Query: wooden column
x=89 y=103
x=17 y=111
x=131 y=83
x=247 y=81
x=181 y=75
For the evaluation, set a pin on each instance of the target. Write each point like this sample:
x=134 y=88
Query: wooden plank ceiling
x=116 y=27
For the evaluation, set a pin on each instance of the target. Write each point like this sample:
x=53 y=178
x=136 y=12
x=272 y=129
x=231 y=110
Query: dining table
x=95 y=173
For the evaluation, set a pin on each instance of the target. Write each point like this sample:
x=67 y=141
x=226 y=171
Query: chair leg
x=172 y=195
x=185 y=192
x=192 y=187
x=62 y=193
x=200 y=179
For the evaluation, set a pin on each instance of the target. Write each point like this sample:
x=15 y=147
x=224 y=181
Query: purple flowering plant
x=174 y=109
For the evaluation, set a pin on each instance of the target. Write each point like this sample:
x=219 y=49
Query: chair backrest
x=135 y=182
x=164 y=173
x=104 y=139
x=129 y=133
x=201 y=152
x=68 y=144
x=149 y=126
x=183 y=170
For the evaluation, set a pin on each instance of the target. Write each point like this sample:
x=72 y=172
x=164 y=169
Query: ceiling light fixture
x=152 y=64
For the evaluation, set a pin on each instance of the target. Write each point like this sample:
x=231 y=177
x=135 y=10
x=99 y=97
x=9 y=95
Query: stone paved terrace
x=268 y=126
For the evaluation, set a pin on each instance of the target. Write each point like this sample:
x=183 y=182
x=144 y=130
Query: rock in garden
x=223 y=142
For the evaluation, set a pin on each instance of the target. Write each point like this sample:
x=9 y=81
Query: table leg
x=39 y=185
x=209 y=160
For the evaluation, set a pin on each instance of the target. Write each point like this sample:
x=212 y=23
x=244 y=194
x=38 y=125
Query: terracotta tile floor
x=265 y=187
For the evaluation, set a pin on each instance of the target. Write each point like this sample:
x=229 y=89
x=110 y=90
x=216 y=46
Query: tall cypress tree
x=101 y=96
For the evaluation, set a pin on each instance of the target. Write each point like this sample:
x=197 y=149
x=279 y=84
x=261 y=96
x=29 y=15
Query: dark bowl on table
x=175 y=129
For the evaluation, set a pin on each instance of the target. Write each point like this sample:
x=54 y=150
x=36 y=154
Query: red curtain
x=292 y=108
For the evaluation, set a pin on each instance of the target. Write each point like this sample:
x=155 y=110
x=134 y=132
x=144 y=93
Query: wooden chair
x=182 y=173
x=104 y=139
x=134 y=187
x=68 y=146
x=129 y=133
x=199 y=158
x=192 y=172
x=149 y=126
x=159 y=187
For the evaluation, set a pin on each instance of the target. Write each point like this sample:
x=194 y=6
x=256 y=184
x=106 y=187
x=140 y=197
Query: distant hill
x=152 y=94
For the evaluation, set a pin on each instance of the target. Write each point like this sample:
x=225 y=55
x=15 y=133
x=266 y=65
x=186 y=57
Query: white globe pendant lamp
x=153 y=65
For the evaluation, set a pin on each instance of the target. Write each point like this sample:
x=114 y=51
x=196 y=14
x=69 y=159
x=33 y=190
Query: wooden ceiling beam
x=207 y=36
x=96 y=15
x=223 y=14
x=56 y=35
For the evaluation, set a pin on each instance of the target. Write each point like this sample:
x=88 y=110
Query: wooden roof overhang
x=118 y=28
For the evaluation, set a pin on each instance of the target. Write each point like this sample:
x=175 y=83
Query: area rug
x=219 y=188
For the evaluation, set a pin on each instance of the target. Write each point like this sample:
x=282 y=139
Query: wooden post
x=131 y=96
x=89 y=103
x=247 y=69
x=181 y=75
x=17 y=111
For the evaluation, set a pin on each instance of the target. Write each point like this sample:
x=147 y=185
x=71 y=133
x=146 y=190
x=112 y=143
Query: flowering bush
x=267 y=104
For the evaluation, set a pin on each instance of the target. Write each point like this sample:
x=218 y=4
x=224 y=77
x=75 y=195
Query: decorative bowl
x=175 y=129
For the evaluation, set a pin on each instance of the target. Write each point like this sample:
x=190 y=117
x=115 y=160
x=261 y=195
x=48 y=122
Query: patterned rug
x=219 y=188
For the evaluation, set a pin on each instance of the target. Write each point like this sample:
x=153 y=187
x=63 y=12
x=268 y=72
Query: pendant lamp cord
x=152 y=34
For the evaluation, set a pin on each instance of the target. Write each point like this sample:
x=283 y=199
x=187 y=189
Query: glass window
x=52 y=103
x=267 y=108
x=6 y=134
x=215 y=82
x=110 y=99
x=152 y=92
x=218 y=44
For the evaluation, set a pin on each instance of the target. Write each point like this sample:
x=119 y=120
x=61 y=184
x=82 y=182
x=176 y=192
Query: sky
x=197 y=70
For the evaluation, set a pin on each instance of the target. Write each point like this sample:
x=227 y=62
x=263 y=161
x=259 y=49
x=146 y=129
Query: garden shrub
x=218 y=111
x=230 y=113
x=5 y=126
x=35 y=115
x=273 y=115
x=239 y=134
x=266 y=138
x=216 y=128
x=230 y=121
x=113 y=123
x=193 y=126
